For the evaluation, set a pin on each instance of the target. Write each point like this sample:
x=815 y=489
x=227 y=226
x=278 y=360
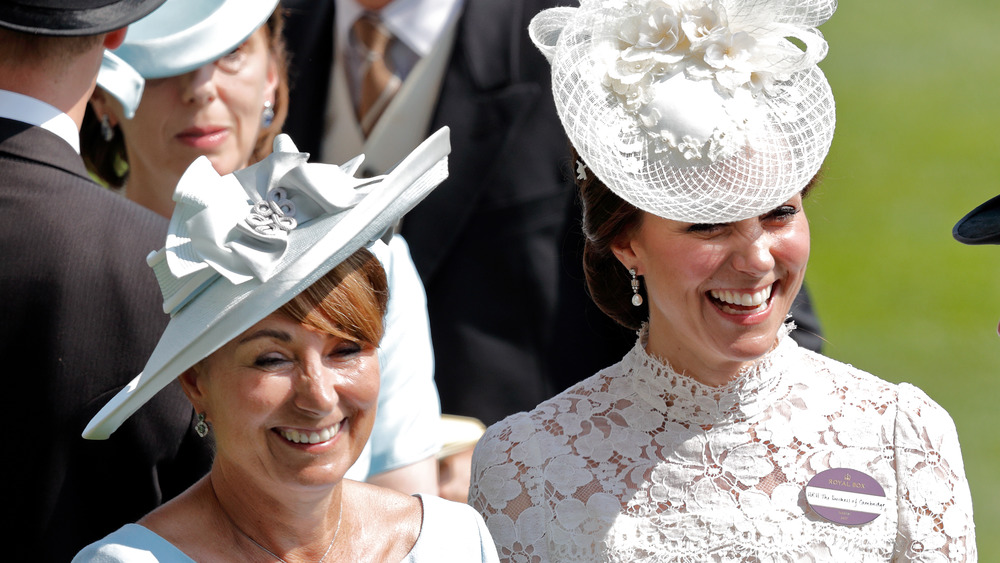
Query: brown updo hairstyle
x=348 y=302
x=108 y=160
x=606 y=218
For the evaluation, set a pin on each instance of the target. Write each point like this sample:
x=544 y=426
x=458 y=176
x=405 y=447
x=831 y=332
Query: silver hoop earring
x=107 y=131
x=201 y=427
x=636 y=298
x=267 y=116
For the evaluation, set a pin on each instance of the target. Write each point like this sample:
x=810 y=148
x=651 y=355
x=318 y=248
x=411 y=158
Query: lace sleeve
x=505 y=492
x=934 y=503
x=602 y=472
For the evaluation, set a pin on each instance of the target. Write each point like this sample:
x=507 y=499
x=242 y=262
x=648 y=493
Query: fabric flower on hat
x=718 y=60
x=236 y=226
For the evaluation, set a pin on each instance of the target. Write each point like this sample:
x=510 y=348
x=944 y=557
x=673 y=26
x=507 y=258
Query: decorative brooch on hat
x=237 y=226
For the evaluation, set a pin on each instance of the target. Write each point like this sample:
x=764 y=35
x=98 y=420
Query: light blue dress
x=451 y=532
x=409 y=411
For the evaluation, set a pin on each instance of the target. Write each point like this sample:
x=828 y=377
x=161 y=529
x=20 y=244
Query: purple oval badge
x=845 y=496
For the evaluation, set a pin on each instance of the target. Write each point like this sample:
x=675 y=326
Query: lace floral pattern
x=640 y=463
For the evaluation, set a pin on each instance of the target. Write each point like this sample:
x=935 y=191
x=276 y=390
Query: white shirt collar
x=417 y=23
x=40 y=114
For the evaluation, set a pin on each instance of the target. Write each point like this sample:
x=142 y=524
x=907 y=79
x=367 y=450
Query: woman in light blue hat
x=276 y=311
x=193 y=78
x=208 y=78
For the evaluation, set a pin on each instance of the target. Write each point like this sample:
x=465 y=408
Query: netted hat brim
x=788 y=132
x=780 y=157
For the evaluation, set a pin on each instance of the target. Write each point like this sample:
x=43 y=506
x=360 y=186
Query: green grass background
x=917 y=85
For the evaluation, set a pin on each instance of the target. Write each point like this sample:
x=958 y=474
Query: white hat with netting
x=702 y=111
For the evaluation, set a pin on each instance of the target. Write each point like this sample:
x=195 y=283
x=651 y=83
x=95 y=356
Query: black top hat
x=981 y=225
x=72 y=17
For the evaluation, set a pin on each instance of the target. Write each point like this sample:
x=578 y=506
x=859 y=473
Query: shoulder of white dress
x=446 y=526
x=132 y=543
x=843 y=373
x=435 y=506
x=921 y=410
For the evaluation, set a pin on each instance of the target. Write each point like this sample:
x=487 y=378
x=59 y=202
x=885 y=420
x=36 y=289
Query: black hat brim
x=981 y=225
x=77 y=18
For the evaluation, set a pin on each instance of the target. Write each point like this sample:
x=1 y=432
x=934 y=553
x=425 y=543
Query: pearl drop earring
x=636 y=298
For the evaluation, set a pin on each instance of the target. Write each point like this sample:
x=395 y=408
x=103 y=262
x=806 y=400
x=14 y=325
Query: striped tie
x=378 y=82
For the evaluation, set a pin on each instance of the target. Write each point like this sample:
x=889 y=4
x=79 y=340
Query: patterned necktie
x=378 y=82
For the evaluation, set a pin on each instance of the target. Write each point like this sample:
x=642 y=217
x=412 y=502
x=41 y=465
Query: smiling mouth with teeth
x=314 y=437
x=741 y=303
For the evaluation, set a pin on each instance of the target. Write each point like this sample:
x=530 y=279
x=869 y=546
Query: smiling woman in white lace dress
x=700 y=125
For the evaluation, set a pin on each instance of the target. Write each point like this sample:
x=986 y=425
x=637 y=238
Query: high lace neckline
x=683 y=399
x=640 y=463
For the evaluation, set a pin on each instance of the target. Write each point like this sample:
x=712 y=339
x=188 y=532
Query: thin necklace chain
x=340 y=515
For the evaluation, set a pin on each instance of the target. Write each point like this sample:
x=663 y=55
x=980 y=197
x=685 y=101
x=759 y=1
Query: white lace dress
x=639 y=463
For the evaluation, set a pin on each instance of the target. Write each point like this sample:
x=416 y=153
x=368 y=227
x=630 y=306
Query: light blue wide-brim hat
x=242 y=245
x=178 y=37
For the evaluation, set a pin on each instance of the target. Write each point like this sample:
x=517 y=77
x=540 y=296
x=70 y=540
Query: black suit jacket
x=80 y=315
x=498 y=245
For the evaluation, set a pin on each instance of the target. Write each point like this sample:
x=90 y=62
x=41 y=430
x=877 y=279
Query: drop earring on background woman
x=107 y=132
x=267 y=116
x=636 y=298
x=201 y=427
